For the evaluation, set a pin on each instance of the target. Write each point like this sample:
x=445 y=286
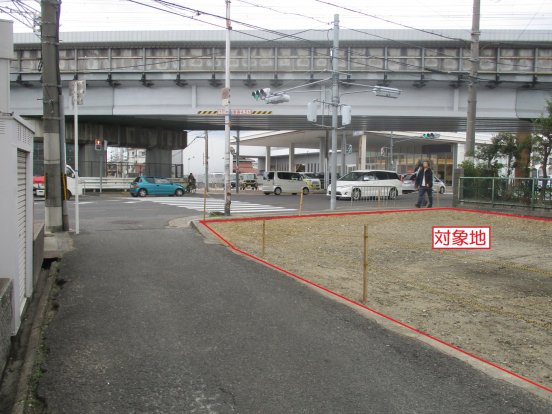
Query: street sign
x=357 y=133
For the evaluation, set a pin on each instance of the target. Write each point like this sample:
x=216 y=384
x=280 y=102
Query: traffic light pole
x=227 y=117
x=335 y=108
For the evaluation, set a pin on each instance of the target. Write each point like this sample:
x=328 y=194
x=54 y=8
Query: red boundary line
x=358 y=304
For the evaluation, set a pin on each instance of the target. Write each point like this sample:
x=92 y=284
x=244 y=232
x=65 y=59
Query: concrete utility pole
x=335 y=108
x=50 y=104
x=227 y=118
x=472 y=91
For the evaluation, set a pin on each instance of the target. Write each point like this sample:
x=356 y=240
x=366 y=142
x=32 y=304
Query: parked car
x=409 y=182
x=355 y=184
x=312 y=181
x=279 y=182
x=152 y=185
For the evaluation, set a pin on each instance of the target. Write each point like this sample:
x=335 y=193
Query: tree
x=543 y=137
x=489 y=154
x=508 y=147
x=526 y=147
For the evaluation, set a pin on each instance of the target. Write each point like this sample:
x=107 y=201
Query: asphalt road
x=156 y=320
x=111 y=212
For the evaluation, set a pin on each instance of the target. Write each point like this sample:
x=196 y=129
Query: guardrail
x=525 y=192
x=113 y=183
x=380 y=194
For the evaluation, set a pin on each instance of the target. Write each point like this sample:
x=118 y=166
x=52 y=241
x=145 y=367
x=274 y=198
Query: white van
x=279 y=182
x=38 y=188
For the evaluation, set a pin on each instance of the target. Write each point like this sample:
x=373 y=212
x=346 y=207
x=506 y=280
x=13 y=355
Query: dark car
x=152 y=185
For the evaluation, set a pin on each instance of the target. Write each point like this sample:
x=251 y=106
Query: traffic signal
x=261 y=93
x=98 y=144
x=383 y=151
x=349 y=148
x=431 y=135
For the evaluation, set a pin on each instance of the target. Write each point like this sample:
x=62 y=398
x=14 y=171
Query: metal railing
x=524 y=192
x=114 y=183
x=381 y=194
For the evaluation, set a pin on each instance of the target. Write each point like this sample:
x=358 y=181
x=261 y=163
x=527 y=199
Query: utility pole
x=472 y=91
x=238 y=162
x=227 y=119
x=51 y=87
x=335 y=108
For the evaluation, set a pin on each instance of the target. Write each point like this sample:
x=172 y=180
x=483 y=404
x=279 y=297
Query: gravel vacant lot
x=496 y=310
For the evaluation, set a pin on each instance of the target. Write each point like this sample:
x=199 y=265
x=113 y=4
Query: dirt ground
x=497 y=312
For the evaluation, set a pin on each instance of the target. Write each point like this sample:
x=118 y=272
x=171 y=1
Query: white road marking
x=197 y=204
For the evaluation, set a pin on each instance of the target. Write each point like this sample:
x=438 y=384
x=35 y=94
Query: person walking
x=191 y=183
x=424 y=182
x=420 y=171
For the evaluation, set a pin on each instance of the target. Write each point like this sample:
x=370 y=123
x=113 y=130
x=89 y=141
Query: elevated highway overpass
x=169 y=81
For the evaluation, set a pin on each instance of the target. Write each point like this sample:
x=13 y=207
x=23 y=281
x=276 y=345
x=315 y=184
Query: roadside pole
x=63 y=159
x=206 y=173
x=76 y=137
x=237 y=162
x=472 y=89
x=227 y=118
x=335 y=108
x=101 y=165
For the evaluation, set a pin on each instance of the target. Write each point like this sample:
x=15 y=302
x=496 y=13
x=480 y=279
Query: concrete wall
x=6 y=312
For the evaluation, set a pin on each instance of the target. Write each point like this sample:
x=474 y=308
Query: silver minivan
x=279 y=182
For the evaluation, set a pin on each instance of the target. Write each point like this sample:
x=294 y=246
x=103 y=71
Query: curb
x=34 y=341
x=395 y=327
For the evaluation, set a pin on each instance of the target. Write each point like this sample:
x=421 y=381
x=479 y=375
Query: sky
x=106 y=15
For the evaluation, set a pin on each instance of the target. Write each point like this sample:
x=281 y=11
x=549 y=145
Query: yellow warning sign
x=235 y=112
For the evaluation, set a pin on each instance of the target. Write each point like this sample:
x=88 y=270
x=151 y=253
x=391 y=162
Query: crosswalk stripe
x=237 y=206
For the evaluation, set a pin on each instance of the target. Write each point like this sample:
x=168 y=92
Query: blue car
x=142 y=186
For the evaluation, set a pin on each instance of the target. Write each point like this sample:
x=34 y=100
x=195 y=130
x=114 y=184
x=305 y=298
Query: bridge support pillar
x=89 y=161
x=267 y=159
x=158 y=162
x=362 y=152
x=321 y=154
x=291 y=157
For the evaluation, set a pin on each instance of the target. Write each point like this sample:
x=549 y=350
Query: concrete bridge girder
x=121 y=135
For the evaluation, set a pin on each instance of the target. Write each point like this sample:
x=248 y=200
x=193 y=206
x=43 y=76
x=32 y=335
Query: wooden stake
x=301 y=203
x=264 y=232
x=365 y=275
